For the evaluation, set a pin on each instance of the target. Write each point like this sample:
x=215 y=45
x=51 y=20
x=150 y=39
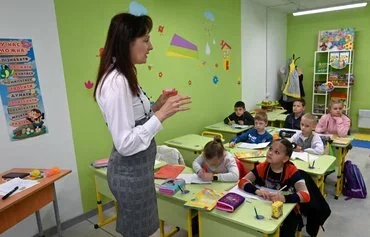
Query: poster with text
x=20 y=90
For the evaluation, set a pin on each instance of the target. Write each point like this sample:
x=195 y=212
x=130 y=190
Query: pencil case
x=171 y=186
x=229 y=202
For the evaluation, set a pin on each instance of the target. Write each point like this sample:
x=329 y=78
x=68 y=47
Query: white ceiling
x=290 y=6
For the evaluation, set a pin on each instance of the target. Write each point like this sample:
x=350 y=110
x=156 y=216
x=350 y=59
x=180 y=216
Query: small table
x=342 y=149
x=21 y=205
x=242 y=222
x=226 y=130
x=171 y=208
x=189 y=145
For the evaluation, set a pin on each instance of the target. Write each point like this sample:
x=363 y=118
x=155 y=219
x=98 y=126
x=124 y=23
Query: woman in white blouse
x=132 y=122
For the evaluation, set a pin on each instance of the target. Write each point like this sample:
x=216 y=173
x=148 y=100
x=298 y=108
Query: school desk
x=102 y=189
x=21 y=205
x=322 y=164
x=190 y=146
x=242 y=222
x=340 y=150
x=171 y=208
x=226 y=130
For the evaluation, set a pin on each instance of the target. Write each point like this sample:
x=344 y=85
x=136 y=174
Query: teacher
x=132 y=122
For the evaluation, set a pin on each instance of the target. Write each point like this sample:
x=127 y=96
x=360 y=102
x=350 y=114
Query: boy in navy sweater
x=240 y=116
x=255 y=135
x=293 y=120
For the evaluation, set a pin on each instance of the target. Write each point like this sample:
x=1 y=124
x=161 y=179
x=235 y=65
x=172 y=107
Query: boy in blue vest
x=255 y=135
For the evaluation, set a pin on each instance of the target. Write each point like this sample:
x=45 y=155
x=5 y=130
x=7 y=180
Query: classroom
x=216 y=52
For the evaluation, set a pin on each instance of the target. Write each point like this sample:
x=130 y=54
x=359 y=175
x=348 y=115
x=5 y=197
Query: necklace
x=147 y=115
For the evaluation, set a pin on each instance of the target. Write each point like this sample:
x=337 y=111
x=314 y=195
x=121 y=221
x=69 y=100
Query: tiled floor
x=86 y=229
x=348 y=217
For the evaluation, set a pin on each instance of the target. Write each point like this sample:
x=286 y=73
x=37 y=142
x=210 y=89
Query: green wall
x=82 y=27
x=302 y=40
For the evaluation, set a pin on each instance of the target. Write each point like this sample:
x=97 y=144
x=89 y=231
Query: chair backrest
x=169 y=155
x=212 y=134
x=241 y=167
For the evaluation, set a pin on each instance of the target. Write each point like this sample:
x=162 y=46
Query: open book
x=253 y=146
x=250 y=154
x=304 y=156
x=192 y=179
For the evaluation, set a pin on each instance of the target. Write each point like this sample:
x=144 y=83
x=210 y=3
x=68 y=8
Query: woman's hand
x=231 y=144
x=163 y=98
x=173 y=105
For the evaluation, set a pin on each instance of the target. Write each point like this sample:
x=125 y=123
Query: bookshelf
x=332 y=78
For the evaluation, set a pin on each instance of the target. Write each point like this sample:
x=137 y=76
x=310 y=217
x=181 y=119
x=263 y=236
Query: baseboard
x=71 y=222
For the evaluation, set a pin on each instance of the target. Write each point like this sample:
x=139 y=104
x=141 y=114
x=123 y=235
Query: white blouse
x=121 y=109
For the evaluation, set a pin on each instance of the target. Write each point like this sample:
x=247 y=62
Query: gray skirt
x=131 y=180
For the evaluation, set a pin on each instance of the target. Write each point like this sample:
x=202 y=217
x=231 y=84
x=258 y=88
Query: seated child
x=305 y=139
x=215 y=163
x=240 y=116
x=335 y=122
x=275 y=173
x=293 y=120
x=255 y=135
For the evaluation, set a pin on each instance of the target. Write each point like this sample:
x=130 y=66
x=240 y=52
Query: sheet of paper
x=253 y=146
x=243 y=193
x=11 y=184
x=240 y=126
x=304 y=156
x=192 y=179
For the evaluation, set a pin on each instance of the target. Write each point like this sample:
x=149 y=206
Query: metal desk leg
x=39 y=224
x=200 y=224
x=339 y=185
x=56 y=212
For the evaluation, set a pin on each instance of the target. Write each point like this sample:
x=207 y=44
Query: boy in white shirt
x=306 y=139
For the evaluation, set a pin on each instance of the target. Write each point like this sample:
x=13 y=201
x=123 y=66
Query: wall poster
x=20 y=90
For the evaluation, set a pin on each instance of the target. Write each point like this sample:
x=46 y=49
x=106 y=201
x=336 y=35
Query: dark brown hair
x=214 y=148
x=301 y=100
x=123 y=30
x=289 y=146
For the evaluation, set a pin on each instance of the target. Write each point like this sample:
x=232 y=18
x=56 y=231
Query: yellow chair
x=213 y=134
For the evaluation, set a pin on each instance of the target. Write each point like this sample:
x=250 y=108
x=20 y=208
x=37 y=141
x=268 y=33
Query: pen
x=282 y=188
x=10 y=193
x=255 y=211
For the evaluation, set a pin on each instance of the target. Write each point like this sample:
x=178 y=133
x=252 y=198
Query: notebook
x=229 y=202
x=100 y=163
x=171 y=186
x=250 y=154
x=206 y=200
x=169 y=171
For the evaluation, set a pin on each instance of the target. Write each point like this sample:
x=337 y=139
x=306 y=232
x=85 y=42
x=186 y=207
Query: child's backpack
x=354 y=185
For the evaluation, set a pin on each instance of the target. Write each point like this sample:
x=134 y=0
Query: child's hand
x=241 y=122
x=277 y=197
x=231 y=144
x=207 y=176
x=298 y=149
x=263 y=193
